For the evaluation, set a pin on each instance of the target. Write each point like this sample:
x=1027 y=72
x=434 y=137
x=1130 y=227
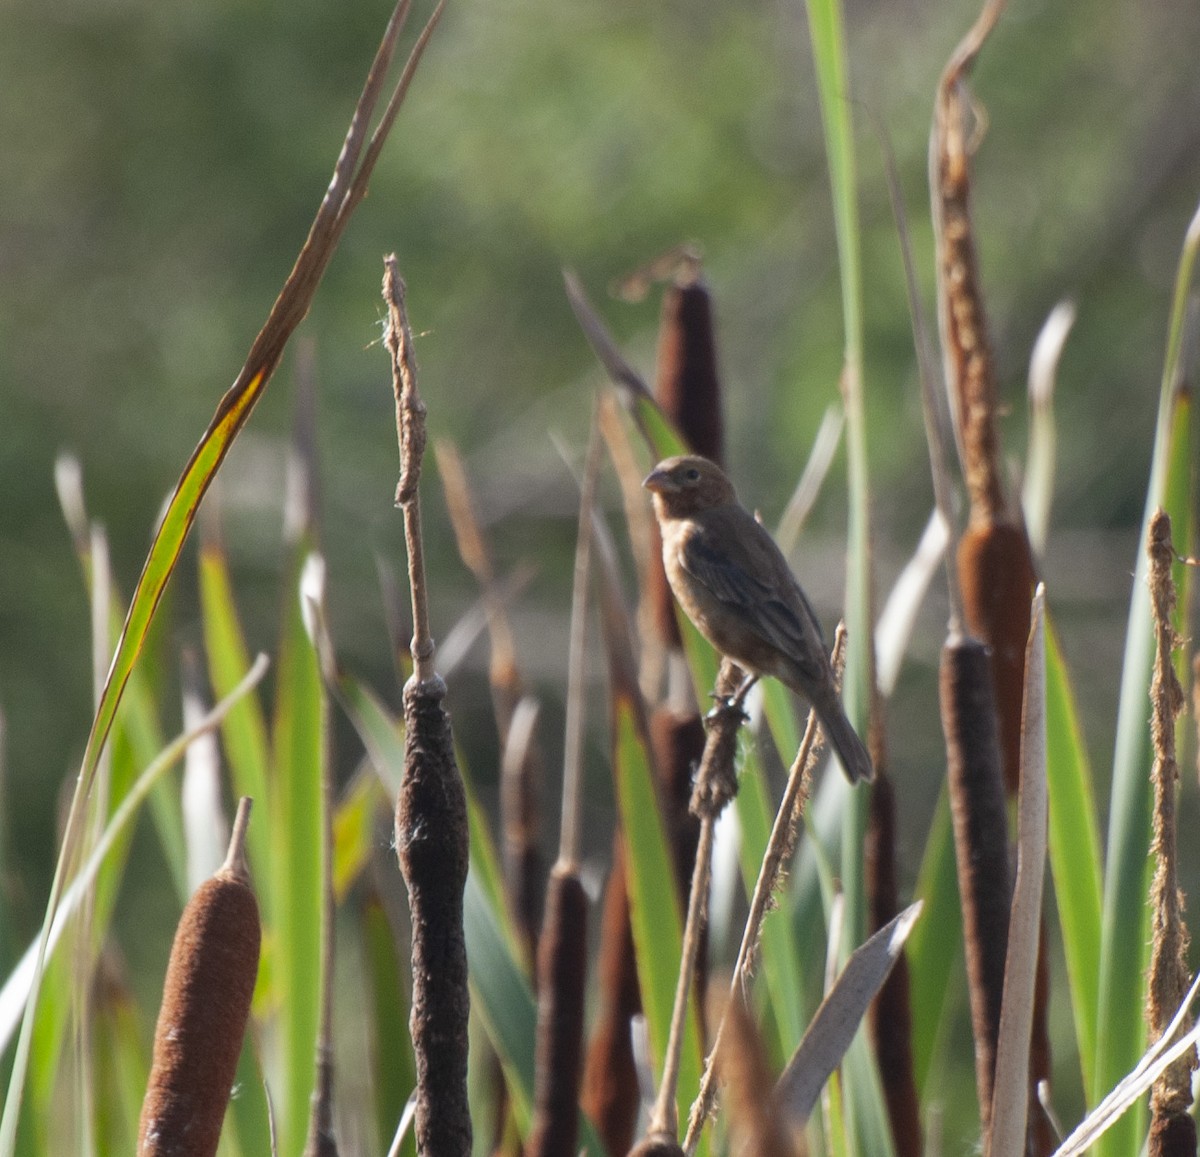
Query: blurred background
x=162 y=162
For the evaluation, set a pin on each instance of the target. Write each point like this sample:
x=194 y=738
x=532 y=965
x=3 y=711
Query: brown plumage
x=735 y=585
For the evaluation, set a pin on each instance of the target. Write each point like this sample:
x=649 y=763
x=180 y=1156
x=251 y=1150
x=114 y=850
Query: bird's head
x=687 y=484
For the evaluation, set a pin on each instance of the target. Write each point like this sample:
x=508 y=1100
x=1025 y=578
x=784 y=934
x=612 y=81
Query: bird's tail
x=845 y=741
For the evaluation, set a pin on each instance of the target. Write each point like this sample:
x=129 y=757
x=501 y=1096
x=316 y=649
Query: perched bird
x=735 y=585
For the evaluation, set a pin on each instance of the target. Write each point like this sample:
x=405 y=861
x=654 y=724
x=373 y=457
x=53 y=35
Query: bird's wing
x=763 y=594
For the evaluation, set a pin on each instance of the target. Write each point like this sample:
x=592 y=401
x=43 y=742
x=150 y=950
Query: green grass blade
x=1125 y=938
x=1076 y=864
x=829 y=55
x=122 y=1070
x=935 y=942
x=354 y=832
x=137 y=724
x=654 y=906
x=295 y=816
x=504 y=1002
x=501 y=996
x=395 y=1068
x=159 y=566
x=248 y=1116
x=244 y=734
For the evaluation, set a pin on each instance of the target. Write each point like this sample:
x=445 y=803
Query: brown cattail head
x=611 y=1095
x=431 y=841
x=689 y=392
x=688 y=386
x=997 y=578
x=562 y=977
x=980 y=842
x=657 y=1145
x=1172 y=1135
x=206 y=1003
x=756 y=1123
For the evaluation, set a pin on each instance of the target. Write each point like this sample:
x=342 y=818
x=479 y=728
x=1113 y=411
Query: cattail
x=206 y=1002
x=431 y=808
x=755 y=1121
x=562 y=978
x=995 y=562
x=610 y=1083
x=980 y=842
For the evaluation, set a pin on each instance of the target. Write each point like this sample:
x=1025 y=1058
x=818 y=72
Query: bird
x=732 y=581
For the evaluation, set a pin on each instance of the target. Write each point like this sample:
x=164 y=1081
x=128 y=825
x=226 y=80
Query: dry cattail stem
x=562 y=973
x=716 y=785
x=321 y=1141
x=994 y=559
x=1171 y=1095
x=961 y=316
x=780 y=847
x=562 y=956
x=521 y=765
x=431 y=810
x=980 y=842
x=520 y=821
x=206 y=1003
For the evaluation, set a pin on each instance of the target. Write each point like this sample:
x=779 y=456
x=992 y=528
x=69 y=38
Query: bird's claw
x=726 y=705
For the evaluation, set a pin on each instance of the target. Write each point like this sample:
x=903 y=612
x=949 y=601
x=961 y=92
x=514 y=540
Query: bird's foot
x=727 y=705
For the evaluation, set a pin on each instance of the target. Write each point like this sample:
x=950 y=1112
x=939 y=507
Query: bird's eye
x=693 y=475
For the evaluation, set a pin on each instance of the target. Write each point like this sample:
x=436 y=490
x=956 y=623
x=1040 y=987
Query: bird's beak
x=657 y=481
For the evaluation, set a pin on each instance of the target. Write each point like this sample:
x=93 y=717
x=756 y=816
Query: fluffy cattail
x=206 y=1001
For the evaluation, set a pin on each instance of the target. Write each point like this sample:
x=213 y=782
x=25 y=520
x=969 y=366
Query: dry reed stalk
x=962 y=319
x=1171 y=1095
x=206 y=1003
x=716 y=785
x=431 y=809
x=562 y=957
x=521 y=767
